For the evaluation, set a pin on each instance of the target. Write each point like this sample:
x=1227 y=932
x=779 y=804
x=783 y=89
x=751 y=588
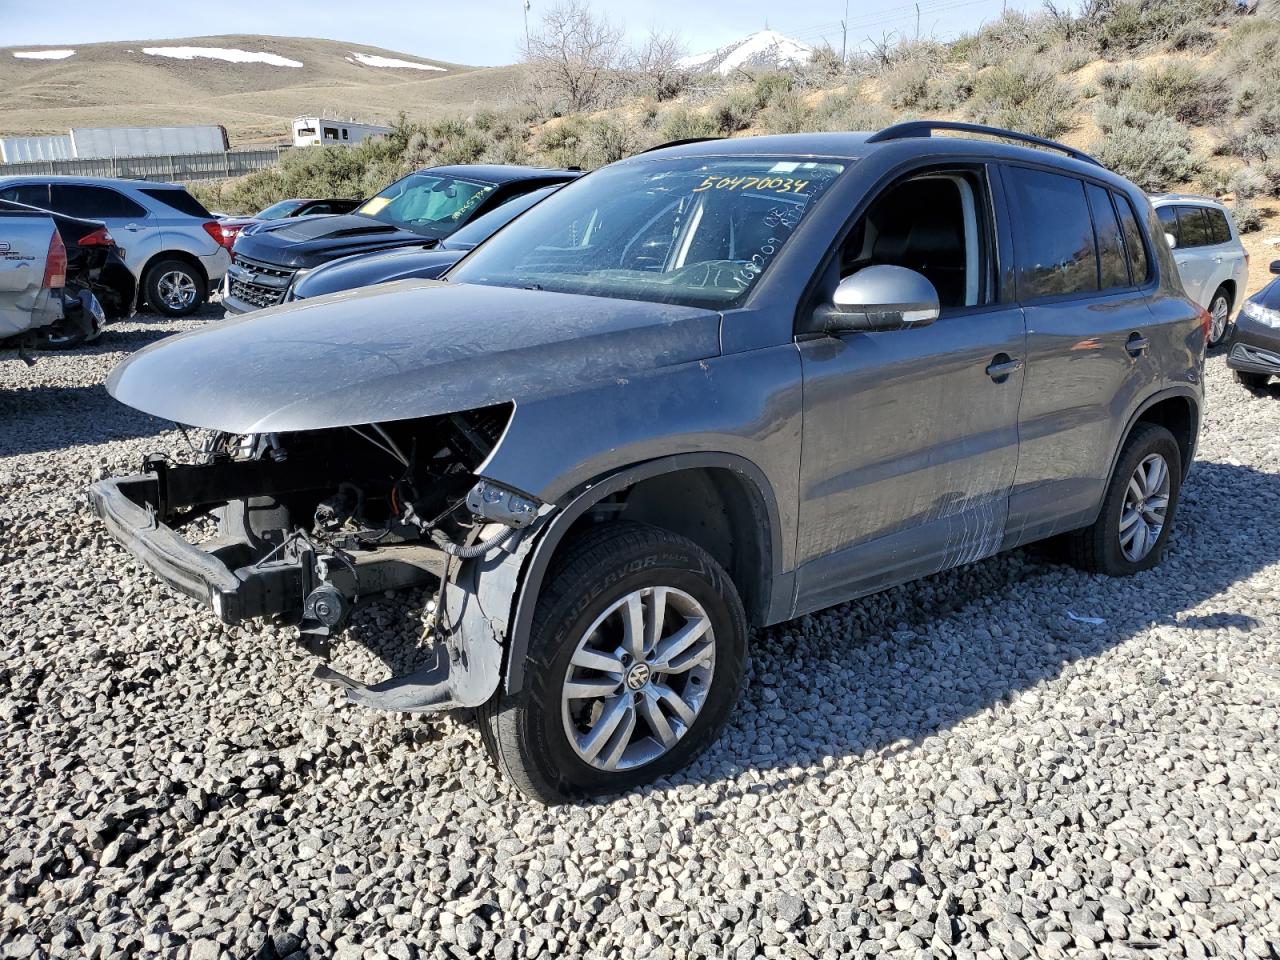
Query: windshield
x=483 y=227
x=696 y=231
x=278 y=210
x=427 y=204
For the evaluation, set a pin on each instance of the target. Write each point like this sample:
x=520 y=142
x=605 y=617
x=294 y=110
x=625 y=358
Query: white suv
x=1211 y=260
x=172 y=244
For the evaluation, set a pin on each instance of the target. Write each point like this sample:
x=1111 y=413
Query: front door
x=911 y=436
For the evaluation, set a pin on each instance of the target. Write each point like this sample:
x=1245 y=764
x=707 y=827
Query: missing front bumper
x=463 y=667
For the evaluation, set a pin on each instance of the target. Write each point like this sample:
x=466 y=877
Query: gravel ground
x=956 y=768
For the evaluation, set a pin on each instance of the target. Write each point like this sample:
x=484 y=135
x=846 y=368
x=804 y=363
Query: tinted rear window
x=1134 y=247
x=33 y=194
x=181 y=201
x=1193 y=228
x=92 y=203
x=1169 y=220
x=1053 y=235
x=1219 y=231
x=1113 y=271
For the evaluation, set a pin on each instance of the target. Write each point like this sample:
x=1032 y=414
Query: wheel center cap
x=638 y=676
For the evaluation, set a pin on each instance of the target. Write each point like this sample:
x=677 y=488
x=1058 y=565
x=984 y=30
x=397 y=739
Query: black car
x=426 y=262
x=232 y=227
x=1253 y=349
x=93 y=265
x=422 y=208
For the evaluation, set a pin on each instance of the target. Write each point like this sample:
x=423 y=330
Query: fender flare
x=579 y=502
x=1164 y=393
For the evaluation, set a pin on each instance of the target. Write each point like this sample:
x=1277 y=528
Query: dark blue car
x=1253 y=350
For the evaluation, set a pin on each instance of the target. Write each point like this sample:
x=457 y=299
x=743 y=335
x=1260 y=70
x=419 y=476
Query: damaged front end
x=297 y=527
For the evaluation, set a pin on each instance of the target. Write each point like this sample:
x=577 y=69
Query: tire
x=1220 y=316
x=528 y=734
x=1251 y=381
x=174 y=288
x=1098 y=548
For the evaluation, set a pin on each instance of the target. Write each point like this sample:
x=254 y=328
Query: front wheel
x=1138 y=508
x=1219 y=316
x=175 y=288
x=635 y=660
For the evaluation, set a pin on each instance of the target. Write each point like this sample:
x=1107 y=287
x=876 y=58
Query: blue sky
x=475 y=31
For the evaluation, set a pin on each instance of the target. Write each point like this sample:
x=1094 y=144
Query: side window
x=1193 y=228
x=934 y=224
x=94 y=203
x=1134 y=247
x=1112 y=269
x=1169 y=220
x=32 y=194
x=1053 y=235
x=1219 y=230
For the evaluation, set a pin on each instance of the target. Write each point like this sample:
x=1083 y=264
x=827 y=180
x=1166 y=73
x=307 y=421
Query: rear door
x=136 y=233
x=1083 y=280
x=24 y=248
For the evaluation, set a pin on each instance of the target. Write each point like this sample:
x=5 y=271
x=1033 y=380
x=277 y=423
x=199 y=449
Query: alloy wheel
x=1146 y=504
x=638 y=678
x=177 y=290
x=1218 y=314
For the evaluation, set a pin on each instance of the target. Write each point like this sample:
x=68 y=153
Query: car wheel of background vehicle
x=1138 y=509
x=635 y=661
x=174 y=288
x=1253 y=381
x=1219 y=316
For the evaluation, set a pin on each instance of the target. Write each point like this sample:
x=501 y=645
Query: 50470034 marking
x=776 y=184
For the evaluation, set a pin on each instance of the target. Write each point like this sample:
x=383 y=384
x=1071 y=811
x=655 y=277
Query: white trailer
x=317 y=131
x=103 y=142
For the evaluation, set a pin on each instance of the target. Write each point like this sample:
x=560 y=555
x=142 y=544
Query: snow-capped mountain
x=765 y=50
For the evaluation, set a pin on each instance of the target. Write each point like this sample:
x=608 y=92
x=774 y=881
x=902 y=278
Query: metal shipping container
x=98 y=142
x=27 y=149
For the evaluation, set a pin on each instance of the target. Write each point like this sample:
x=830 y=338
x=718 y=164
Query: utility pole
x=526 y=24
x=917 y=21
x=844 y=34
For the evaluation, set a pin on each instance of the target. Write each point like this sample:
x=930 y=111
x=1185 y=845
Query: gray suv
x=708 y=388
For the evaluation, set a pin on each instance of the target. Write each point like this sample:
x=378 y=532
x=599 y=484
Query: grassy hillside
x=116 y=84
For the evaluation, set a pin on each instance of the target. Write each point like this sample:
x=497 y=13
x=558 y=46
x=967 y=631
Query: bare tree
x=656 y=63
x=575 y=54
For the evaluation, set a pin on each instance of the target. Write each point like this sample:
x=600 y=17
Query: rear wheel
x=635 y=661
x=1254 y=381
x=1219 y=315
x=175 y=288
x=1138 y=508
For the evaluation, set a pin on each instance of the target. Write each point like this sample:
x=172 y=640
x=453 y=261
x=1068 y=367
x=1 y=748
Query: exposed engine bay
x=309 y=522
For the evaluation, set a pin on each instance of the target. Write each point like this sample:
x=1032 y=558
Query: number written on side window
x=1053 y=235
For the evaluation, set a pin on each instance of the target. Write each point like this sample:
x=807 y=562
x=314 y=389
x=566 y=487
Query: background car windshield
x=427 y=204
x=697 y=231
x=482 y=228
x=277 y=210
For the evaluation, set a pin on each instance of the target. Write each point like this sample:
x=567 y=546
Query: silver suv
x=170 y=242
x=1211 y=259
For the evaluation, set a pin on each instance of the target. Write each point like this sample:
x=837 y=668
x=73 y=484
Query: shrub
x=788 y=113
x=736 y=110
x=1022 y=95
x=1123 y=26
x=563 y=144
x=850 y=110
x=769 y=87
x=1247 y=183
x=1153 y=151
x=1177 y=90
x=681 y=123
x=609 y=140
x=907 y=85
x=1248 y=218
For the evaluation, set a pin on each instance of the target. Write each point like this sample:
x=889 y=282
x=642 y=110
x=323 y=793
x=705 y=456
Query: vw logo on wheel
x=638 y=676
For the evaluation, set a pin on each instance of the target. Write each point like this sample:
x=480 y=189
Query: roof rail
x=679 y=143
x=925 y=128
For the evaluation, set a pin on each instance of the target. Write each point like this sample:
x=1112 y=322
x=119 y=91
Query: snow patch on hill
x=765 y=49
x=43 y=54
x=221 y=53
x=370 y=60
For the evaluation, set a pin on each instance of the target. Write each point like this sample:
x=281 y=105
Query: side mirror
x=880 y=297
x=1275 y=267
x=1171 y=240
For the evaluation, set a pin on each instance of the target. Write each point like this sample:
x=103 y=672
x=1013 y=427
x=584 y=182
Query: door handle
x=1002 y=366
x=1137 y=344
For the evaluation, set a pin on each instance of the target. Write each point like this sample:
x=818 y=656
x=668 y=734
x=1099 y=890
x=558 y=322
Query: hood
x=362 y=270
x=403 y=350
x=300 y=242
x=1269 y=296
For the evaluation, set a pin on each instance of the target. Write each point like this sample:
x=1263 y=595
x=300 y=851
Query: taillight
x=220 y=236
x=99 y=238
x=55 y=264
x=1206 y=323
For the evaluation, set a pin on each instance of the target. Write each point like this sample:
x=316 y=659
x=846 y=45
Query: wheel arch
x=742 y=530
x=1178 y=411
